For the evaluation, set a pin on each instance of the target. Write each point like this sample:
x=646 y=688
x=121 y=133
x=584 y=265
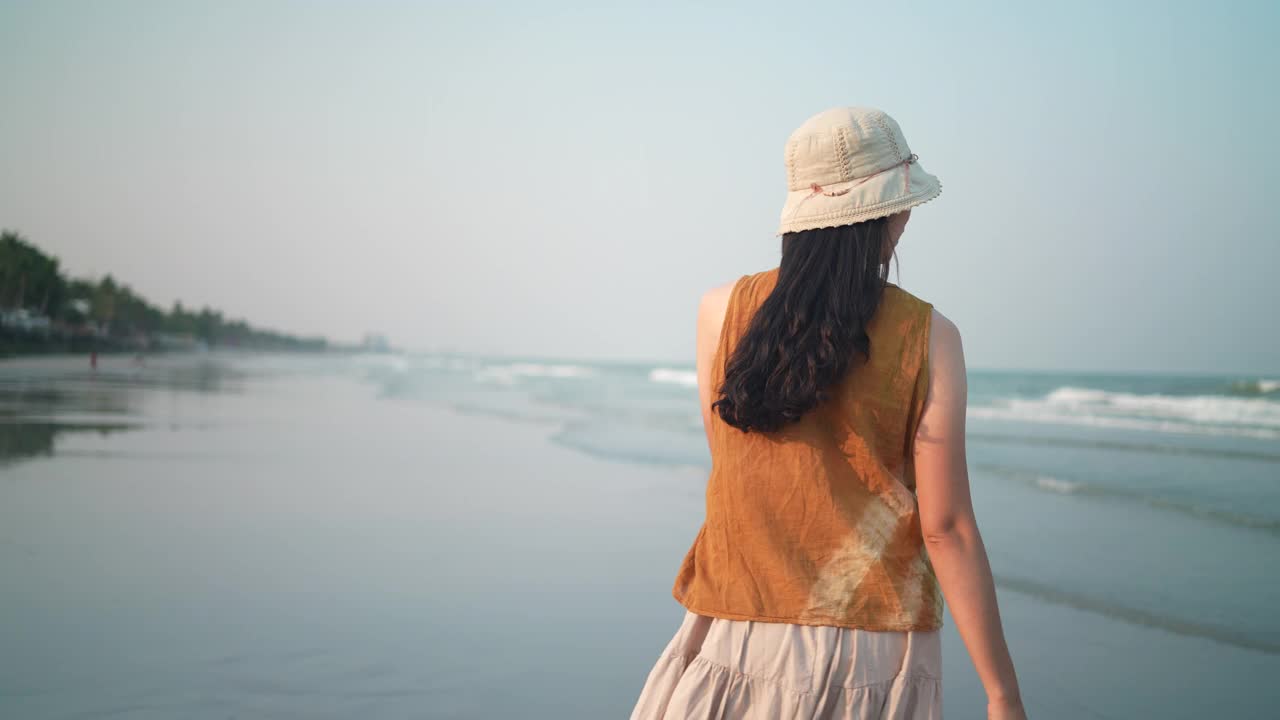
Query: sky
x=547 y=179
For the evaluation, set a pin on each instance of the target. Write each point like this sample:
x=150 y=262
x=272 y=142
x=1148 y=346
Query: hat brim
x=873 y=197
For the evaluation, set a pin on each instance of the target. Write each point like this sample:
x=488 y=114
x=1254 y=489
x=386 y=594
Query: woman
x=838 y=513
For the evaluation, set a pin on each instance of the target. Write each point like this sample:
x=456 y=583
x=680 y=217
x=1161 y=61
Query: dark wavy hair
x=811 y=327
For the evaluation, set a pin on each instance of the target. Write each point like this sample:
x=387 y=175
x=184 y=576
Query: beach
x=382 y=536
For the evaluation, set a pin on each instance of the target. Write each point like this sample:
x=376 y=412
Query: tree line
x=37 y=298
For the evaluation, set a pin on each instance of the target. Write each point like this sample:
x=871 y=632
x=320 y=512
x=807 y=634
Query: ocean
x=1122 y=470
x=452 y=535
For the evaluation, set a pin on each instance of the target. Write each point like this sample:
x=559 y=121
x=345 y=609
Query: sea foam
x=512 y=373
x=1195 y=414
x=676 y=376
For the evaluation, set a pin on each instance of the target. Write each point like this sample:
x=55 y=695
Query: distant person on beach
x=838 y=512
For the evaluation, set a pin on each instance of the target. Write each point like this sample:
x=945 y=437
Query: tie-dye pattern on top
x=818 y=523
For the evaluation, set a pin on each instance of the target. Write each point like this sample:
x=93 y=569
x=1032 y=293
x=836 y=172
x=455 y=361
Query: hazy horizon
x=560 y=182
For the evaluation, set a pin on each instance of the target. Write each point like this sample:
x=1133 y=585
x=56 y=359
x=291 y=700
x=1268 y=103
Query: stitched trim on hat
x=885 y=208
x=885 y=126
x=846 y=167
x=888 y=203
x=791 y=163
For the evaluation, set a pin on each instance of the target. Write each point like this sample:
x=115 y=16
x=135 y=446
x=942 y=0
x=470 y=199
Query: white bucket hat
x=850 y=164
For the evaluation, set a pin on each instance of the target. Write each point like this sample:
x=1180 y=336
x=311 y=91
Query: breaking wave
x=1254 y=417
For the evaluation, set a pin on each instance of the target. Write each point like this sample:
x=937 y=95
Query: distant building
x=24 y=320
x=375 y=342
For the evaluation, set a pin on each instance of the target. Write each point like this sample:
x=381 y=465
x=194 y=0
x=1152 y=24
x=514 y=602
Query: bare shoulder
x=712 y=309
x=715 y=302
x=719 y=295
x=943 y=331
x=946 y=353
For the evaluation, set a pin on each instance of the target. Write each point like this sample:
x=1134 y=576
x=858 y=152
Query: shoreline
x=343 y=551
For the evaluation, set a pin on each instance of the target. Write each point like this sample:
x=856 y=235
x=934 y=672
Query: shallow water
x=1154 y=498
x=473 y=538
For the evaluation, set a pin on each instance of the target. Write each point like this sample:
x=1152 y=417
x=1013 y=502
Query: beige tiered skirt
x=719 y=668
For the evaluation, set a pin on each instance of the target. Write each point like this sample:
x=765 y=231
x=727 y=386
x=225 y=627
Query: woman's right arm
x=950 y=529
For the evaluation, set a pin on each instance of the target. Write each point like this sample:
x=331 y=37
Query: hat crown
x=843 y=144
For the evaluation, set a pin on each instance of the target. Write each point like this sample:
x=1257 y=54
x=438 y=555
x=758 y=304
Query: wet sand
x=271 y=538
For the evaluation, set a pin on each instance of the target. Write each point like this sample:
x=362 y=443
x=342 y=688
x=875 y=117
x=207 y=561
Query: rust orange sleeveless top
x=818 y=523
